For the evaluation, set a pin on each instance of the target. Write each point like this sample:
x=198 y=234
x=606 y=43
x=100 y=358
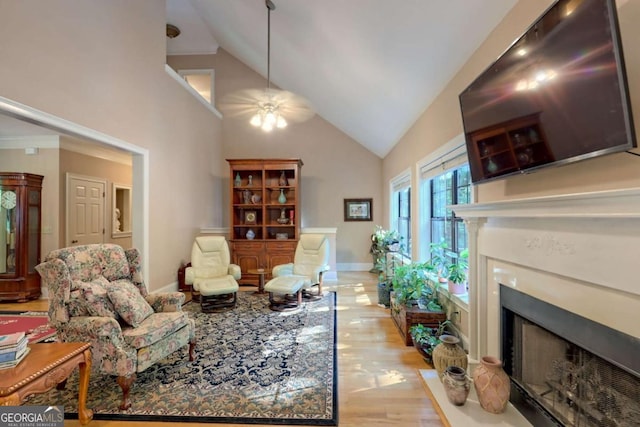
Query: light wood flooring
x=378 y=376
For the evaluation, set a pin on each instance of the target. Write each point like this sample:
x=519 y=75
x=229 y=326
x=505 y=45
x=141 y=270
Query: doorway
x=139 y=157
x=85 y=210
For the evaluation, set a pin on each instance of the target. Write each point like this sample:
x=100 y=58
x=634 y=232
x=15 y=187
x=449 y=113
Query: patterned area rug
x=253 y=366
x=34 y=323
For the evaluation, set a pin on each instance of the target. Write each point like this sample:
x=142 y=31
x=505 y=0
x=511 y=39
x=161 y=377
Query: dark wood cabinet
x=20 y=214
x=264 y=213
x=510 y=146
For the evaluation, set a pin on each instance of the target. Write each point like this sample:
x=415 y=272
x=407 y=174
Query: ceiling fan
x=268 y=108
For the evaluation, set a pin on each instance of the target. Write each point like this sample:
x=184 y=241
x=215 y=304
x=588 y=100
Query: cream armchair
x=310 y=262
x=96 y=294
x=212 y=274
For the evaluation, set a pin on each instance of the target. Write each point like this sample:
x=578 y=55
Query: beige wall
x=441 y=121
x=101 y=64
x=335 y=166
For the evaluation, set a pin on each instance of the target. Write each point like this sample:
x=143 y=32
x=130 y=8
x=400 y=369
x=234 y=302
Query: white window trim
x=397 y=183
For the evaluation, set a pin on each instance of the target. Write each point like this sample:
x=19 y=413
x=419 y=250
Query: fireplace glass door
x=566 y=369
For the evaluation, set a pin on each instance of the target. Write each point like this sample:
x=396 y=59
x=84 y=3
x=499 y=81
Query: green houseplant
x=426 y=338
x=414 y=298
x=457 y=273
x=441 y=258
x=411 y=284
x=382 y=243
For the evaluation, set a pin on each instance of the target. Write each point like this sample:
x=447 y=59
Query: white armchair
x=212 y=274
x=310 y=261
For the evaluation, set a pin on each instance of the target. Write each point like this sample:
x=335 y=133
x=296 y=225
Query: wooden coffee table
x=46 y=366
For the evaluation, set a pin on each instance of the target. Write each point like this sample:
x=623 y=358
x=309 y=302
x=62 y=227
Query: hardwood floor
x=378 y=378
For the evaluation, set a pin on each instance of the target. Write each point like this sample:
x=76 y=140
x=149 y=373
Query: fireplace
x=573 y=258
x=565 y=369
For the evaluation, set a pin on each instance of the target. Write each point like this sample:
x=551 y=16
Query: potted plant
x=441 y=258
x=382 y=242
x=457 y=274
x=411 y=286
x=426 y=338
x=414 y=298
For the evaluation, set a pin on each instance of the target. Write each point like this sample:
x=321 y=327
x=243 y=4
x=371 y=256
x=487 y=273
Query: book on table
x=15 y=362
x=11 y=339
x=9 y=353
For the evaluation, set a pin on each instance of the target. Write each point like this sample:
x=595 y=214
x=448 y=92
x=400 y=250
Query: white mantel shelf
x=599 y=204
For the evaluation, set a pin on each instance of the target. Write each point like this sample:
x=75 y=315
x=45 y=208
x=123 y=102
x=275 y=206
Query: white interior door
x=85 y=210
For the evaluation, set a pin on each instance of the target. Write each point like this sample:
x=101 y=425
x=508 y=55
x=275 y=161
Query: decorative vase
x=283 y=180
x=448 y=353
x=238 y=180
x=492 y=385
x=250 y=183
x=246 y=197
x=251 y=234
x=282 y=198
x=283 y=217
x=456 y=385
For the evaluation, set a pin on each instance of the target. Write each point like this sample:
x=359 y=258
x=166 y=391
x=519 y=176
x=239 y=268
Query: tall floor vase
x=492 y=385
x=448 y=353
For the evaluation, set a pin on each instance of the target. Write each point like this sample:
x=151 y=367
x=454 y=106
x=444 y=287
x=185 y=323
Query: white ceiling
x=369 y=67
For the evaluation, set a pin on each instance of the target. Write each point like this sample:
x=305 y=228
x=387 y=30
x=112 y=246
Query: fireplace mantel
x=600 y=204
x=576 y=251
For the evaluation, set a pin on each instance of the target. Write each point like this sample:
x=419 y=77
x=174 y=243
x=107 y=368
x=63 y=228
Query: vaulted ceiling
x=369 y=67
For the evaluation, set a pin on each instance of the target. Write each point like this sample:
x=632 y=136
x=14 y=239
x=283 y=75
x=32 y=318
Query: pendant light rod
x=270 y=7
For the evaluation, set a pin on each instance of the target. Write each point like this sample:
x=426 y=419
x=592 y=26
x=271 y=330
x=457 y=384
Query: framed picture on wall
x=358 y=209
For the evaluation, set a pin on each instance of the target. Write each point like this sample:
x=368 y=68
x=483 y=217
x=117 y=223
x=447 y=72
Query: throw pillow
x=128 y=302
x=95 y=296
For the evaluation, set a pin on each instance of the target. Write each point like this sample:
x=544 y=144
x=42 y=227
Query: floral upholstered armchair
x=96 y=294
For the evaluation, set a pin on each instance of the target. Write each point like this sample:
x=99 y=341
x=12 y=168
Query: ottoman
x=285 y=286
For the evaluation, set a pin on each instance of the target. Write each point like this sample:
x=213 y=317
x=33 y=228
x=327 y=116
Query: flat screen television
x=557 y=95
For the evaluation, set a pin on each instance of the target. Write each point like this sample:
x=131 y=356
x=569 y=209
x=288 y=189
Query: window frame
x=449 y=156
x=400 y=183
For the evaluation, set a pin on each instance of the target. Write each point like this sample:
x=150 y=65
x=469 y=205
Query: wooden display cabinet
x=265 y=224
x=510 y=146
x=20 y=216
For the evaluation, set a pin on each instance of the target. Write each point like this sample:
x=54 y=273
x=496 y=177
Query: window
x=444 y=180
x=449 y=188
x=403 y=220
x=401 y=209
x=202 y=81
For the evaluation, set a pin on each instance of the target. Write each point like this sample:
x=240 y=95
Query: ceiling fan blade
x=246 y=102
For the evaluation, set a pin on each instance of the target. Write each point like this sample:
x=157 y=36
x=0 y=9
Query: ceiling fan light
x=281 y=123
x=256 y=120
x=270 y=118
x=267 y=127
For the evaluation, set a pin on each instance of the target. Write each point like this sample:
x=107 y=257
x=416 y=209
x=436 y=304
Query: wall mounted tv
x=557 y=95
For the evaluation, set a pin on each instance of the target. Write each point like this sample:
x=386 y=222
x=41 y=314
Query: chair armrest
x=109 y=351
x=282 y=270
x=55 y=276
x=92 y=328
x=235 y=271
x=166 y=301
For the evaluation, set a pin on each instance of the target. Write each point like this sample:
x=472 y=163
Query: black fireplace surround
x=567 y=370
